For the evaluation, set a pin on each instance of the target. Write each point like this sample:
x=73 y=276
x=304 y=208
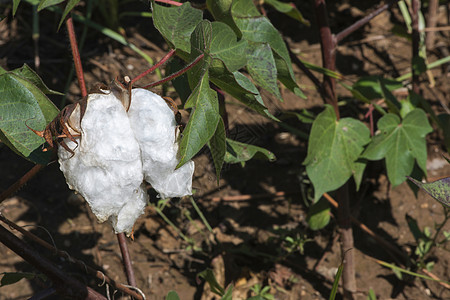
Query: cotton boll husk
x=106 y=167
x=154 y=125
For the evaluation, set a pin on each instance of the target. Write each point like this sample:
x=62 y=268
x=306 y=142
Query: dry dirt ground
x=246 y=246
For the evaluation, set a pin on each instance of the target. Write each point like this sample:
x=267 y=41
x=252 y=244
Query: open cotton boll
x=154 y=125
x=106 y=166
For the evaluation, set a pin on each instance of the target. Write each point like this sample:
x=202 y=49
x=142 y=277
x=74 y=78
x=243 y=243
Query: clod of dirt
x=116 y=150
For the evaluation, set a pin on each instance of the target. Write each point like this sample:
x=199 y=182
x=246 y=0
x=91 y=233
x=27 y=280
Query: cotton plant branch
x=105 y=279
x=64 y=284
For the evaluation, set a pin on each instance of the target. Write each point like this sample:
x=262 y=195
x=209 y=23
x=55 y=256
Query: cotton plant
x=114 y=141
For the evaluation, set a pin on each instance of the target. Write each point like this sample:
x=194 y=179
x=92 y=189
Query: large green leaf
x=202 y=122
x=176 y=23
x=400 y=143
x=439 y=189
x=238 y=152
x=224 y=46
x=258 y=29
x=288 y=9
x=334 y=146
x=286 y=76
x=15 y=6
x=23 y=103
x=240 y=87
x=29 y=74
x=262 y=68
x=200 y=44
x=221 y=11
x=218 y=148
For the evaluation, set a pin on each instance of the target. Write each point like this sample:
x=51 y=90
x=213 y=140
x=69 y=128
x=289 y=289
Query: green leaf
x=334 y=146
x=224 y=46
x=46 y=3
x=258 y=29
x=218 y=148
x=23 y=103
x=202 y=122
x=288 y=9
x=262 y=68
x=69 y=6
x=176 y=23
x=419 y=65
x=241 y=88
x=13 y=277
x=216 y=288
x=370 y=86
x=439 y=189
x=286 y=77
x=389 y=98
x=400 y=143
x=221 y=11
x=371 y=295
x=29 y=74
x=318 y=215
x=200 y=44
x=238 y=152
x=172 y=295
x=181 y=83
x=337 y=278
x=360 y=166
x=228 y=294
x=15 y=6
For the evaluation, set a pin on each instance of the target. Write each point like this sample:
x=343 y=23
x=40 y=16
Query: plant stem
x=431 y=22
x=126 y=258
x=176 y=74
x=170 y=2
x=154 y=67
x=64 y=284
x=415 y=43
x=65 y=255
x=360 y=23
x=76 y=56
x=328 y=47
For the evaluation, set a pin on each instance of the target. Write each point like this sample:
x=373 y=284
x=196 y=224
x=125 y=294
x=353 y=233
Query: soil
x=253 y=208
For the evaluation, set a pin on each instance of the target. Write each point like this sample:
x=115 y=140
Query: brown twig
x=431 y=23
x=126 y=258
x=101 y=276
x=19 y=183
x=64 y=284
x=76 y=57
x=355 y=26
x=391 y=249
x=415 y=43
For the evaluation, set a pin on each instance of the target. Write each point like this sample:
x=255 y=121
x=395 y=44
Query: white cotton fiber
x=106 y=168
x=154 y=125
x=118 y=150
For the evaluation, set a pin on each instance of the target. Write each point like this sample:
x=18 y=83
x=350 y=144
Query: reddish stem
x=328 y=46
x=19 y=183
x=126 y=258
x=153 y=68
x=76 y=56
x=170 y=2
x=176 y=74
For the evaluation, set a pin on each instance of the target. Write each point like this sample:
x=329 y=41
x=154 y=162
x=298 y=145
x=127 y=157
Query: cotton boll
x=154 y=125
x=106 y=167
